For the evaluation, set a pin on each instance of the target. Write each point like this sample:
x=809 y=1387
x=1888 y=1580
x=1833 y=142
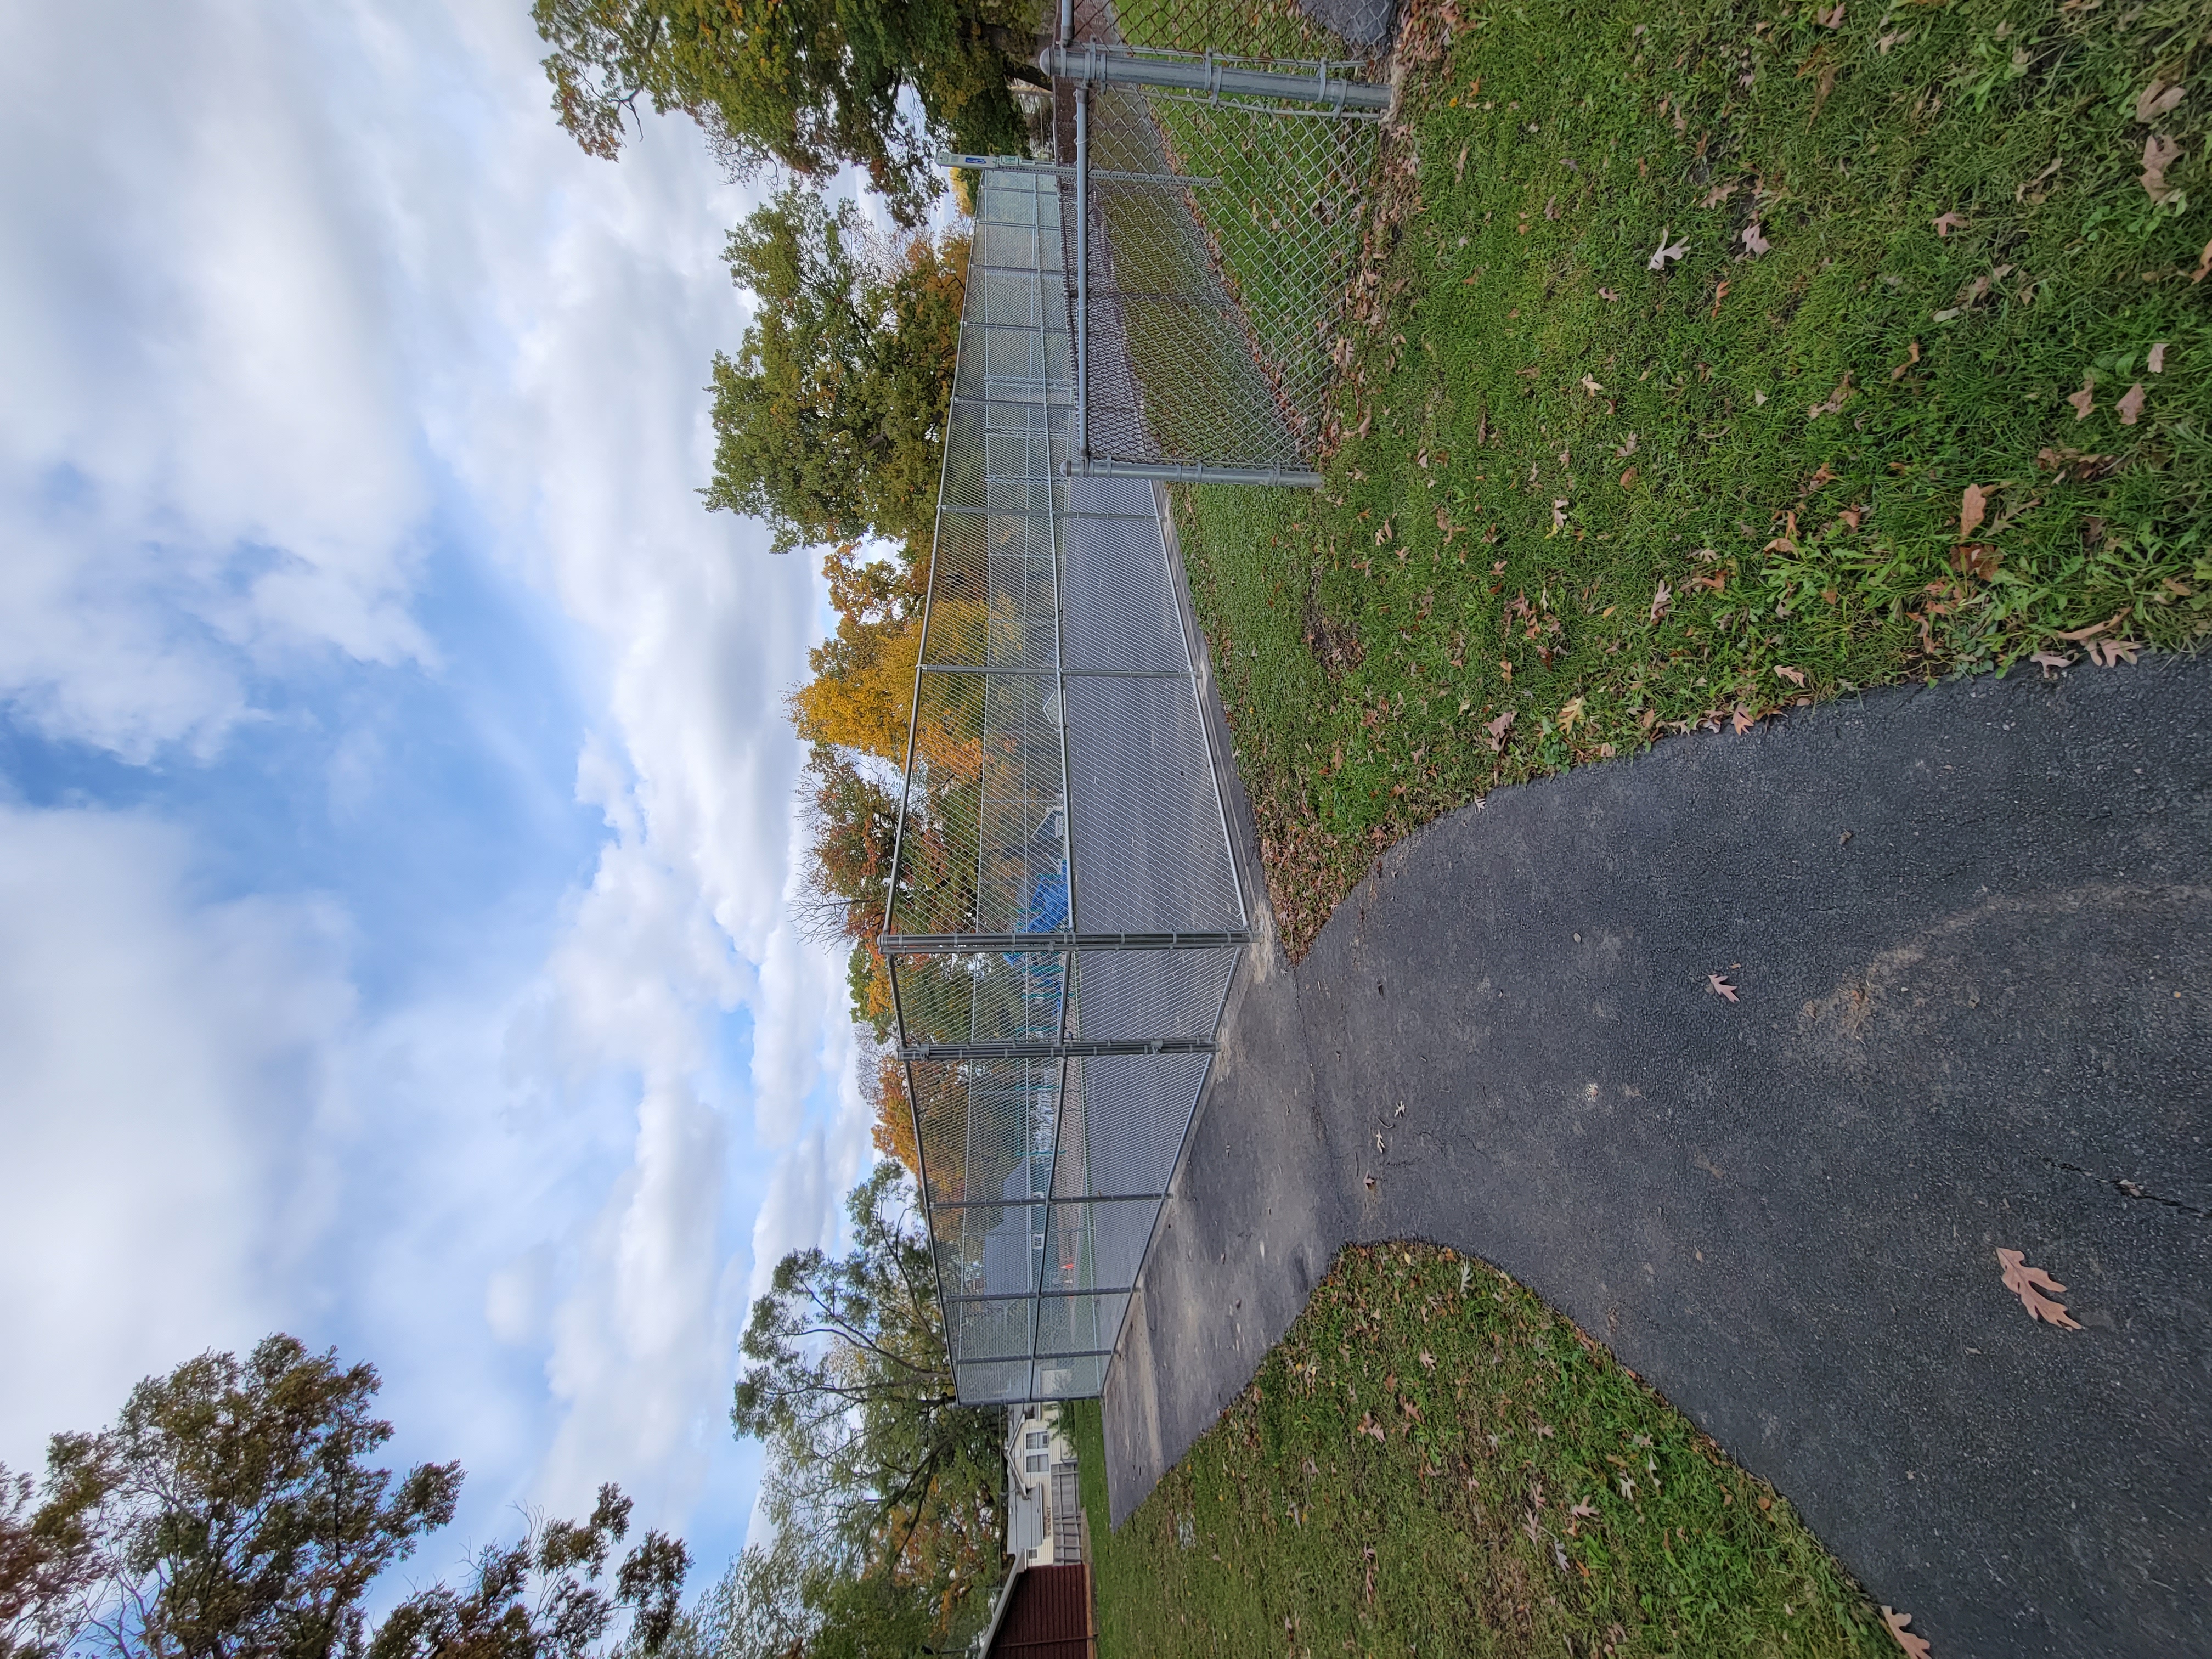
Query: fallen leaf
x=2159 y=154
x=1720 y=193
x=1719 y=295
x=1759 y=399
x=1498 y=729
x=2156 y=362
x=2050 y=662
x=1663 y=253
x=1551 y=208
x=2094 y=629
x=1719 y=982
x=1584 y=1510
x=2028 y=1284
x=1559 y=514
x=2108 y=653
x=1971 y=506
x=2203 y=264
x=2085 y=399
x=1626 y=449
x=1609 y=296
x=1834 y=401
x=1911 y=356
x=1976 y=559
x=1627 y=1487
x=1948 y=222
x=1570 y=715
x=1628 y=478
x=1948 y=315
x=1832 y=18
x=2131 y=405
x=1754 y=239
x=1852 y=516
x=1787 y=541
x=1794 y=676
x=1428 y=1362
x=1591 y=387
x=2036 y=185
x=1888 y=40
x=2155 y=100
x=1660 y=601
x=1905 y=1639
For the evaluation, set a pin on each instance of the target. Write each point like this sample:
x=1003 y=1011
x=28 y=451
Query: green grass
x=1537 y=430
x=1289 y=1529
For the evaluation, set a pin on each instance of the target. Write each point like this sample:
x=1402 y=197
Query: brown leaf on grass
x=1912 y=1645
x=1719 y=982
x=1663 y=252
x=1834 y=401
x=1661 y=600
x=1980 y=560
x=2036 y=185
x=1719 y=295
x=1459 y=167
x=1714 y=582
x=1831 y=19
x=1558 y=513
x=1720 y=193
x=1852 y=516
x=1911 y=356
x=1590 y=387
x=1787 y=541
x=1890 y=39
x=1743 y=722
x=1609 y=296
x=1570 y=715
x=2155 y=100
x=2028 y=1284
x=1754 y=239
x=2086 y=398
x=2203 y=264
x=1628 y=478
x=2131 y=405
x=1368 y=1425
x=1794 y=676
x=2156 y=362
x=1971 y=506
x=1498 y=729
x=1945 y=223
x=2159 y=154
x=1626 y=449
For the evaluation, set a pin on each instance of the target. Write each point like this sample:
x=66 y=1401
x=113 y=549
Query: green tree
x=810 y=85
x=829 y=422
x=877 y=1465
x=47 y=1564
x=542 y=1598
x=231 y=1509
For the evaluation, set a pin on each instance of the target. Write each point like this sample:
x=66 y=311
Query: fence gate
x=1064 y=917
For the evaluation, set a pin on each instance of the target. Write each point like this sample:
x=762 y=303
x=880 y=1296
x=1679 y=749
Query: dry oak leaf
x=1591 y=387
x=2159 y=154
x=2156 y=362
x=1754 y=239
x=2108 y=653
x=1628 y=478
x=1609 y=296
x=1971 y=506
x=1831 y=18
x=1719 y=982
x=1834 y=401
x=1911 y=356
x=1976 y=559
x=2028 y=1284
x=1661 y=600
x=1720 y=193
x=1794 y=676
x=2155 y=100
x=2050 y=662
x=1948 y=222
x=1744 y=720
x=1663 y=253
x=2203 y=264
x=1570 y=715
x=1498 y=729
x=2086 y=398
x=2130 y=406
x=1916 y=1646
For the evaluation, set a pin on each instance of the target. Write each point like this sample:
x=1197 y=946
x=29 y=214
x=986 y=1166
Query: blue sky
x=396 y=806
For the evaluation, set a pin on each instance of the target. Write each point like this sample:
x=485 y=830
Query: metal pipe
x=946 y=158
x=1092 y=63
x=1082 y=270
x=960 y=944
x=1191 y=473
x=927 y=1051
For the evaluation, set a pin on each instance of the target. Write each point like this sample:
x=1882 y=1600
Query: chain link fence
x=1065 y=916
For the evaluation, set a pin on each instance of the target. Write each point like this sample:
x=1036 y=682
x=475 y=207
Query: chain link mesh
x=1061 y=784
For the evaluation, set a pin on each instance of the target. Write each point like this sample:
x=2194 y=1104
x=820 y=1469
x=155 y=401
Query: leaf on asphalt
x=2028 y=1284
x=1744 y=719
x=1971 y=506
x=1661 y=600
x=1663 y=253
x=2108 y=653
x=1720 y=193
x=1794 y=676
x=2131 y=405
x=2155 y=100
x=1834 y=401
x=1754 y=239
x=1498 y=729
x=1911 y=356
x=1912 y=1645
x=2050 y=662
x=2156 y=362
x=2086 y=398
x=1591 y=387
x=1948 y=222
x=2159 y=154
x=1719 y=982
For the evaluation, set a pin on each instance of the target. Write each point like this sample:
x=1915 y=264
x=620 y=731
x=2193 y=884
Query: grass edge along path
x=1433 y=1461
x=1708 y=361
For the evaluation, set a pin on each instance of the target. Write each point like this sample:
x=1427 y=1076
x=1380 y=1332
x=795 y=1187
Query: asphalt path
x=1970 y=932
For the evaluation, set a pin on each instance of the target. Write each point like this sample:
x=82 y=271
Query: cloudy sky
x=395 y=804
